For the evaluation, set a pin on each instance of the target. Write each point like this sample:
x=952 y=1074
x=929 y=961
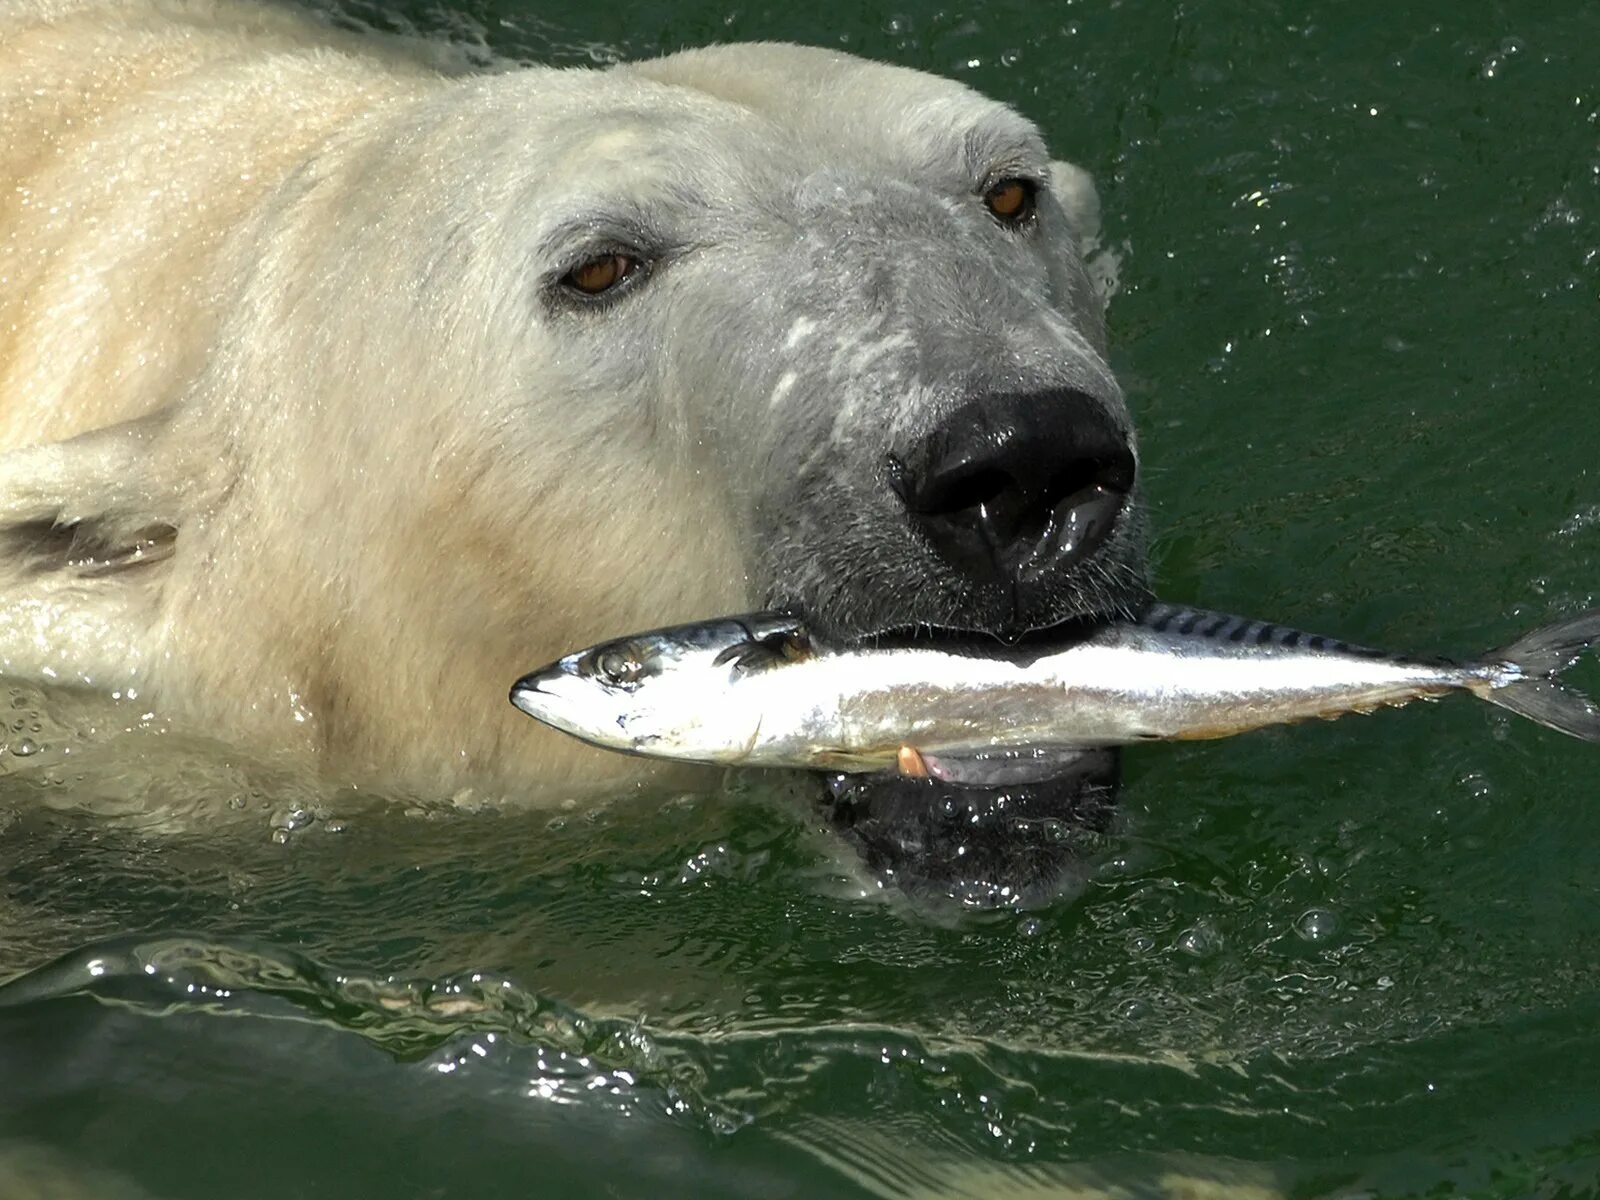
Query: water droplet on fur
x=1317 y=924
x=236 y=802
x=25 y=747
x=1030 y=927
x=1133 y=1010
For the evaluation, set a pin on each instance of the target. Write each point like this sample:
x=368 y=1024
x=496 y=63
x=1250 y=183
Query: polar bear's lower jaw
x=1020 y=846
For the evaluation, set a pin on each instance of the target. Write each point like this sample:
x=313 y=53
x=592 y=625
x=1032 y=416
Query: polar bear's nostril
x=1011 y=487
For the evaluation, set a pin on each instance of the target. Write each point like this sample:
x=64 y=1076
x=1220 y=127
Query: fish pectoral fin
x=767 y=650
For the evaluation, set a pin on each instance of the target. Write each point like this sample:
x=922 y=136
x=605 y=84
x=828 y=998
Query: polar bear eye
x=1012 y=201
x=600 y=274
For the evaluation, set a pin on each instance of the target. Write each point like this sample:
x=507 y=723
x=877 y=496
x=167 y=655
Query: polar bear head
x=833 y=316
x=518 y=361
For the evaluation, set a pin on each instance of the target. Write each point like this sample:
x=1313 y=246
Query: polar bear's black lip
x=1065 y=632
x=895 y=598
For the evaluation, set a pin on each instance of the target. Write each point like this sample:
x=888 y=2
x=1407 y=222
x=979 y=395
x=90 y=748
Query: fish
x=763 y=690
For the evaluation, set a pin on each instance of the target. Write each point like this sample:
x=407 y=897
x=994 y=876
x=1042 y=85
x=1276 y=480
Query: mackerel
x=762 y=690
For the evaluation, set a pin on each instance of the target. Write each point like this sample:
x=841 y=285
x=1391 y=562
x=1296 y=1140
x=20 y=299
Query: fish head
x=668 y=693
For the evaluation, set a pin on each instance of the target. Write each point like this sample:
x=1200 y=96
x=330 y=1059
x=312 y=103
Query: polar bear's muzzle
x=1001 y=513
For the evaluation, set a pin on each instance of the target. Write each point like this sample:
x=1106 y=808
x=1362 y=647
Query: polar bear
x=340 y=385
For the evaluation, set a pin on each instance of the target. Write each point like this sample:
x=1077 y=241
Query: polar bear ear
x=1074 y=190
x=94 y=505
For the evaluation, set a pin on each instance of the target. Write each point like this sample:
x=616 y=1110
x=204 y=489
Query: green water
x=1361 y=296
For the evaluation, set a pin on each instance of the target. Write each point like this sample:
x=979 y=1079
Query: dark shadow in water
x=1017 y=846
x=262 y=1107
x=327 y=1083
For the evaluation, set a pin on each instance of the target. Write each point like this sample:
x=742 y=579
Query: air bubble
x=1200 y=940
x=1317 y=924
x=25 y=747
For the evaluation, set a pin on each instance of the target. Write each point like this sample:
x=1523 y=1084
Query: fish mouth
x=1020 y=845
x=524 y=691
x=546 y=704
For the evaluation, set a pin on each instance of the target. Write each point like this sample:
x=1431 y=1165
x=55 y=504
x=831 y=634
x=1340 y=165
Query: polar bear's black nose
x=1014 y=485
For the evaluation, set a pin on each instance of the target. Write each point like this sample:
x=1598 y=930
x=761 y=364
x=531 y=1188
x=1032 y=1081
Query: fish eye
x=1013 y=201
x=619 y=666
x=603 y=273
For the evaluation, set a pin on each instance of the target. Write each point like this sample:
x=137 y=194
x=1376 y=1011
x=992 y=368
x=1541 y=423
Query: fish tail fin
x=1539 y=657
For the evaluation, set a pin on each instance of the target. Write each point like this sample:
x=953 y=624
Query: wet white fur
x=387 y=509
